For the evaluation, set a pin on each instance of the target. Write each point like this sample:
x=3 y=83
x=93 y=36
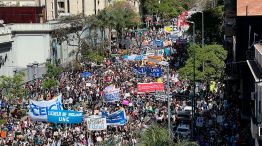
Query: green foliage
x=119 y=15
x=209 y=63
x=166 y=8
x=49 y=83
x=156 y=136
x=53 y=71
x=213 y=25
x=185 y=143
x=51 y=76
x=93 y=56
x=3 y=121
x=12 y=86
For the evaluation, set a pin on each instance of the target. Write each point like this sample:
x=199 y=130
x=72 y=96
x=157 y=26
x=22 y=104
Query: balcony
x=30 y=27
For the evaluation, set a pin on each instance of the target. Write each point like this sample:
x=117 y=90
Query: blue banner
x=85 y=74
x=116 y=118
x=38 y=109
x=112 y=96
x=139 y=70
x=133 y=57
x=64 y=116
x=154 y=72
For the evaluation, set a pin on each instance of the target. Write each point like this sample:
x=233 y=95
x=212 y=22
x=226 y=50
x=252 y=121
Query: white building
x=6 y=54
x=24 y=44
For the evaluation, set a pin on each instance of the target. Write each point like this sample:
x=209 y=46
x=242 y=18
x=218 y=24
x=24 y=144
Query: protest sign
x=139 y=70
x=64 y=116
x=116 y=118
x=38 y=109
x=154 y=72
x=95 y=123
x=112 y=96
x=150 y=87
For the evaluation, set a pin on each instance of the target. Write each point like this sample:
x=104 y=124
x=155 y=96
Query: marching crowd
x=86 y=95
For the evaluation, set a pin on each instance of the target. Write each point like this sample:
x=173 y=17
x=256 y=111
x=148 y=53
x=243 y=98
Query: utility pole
x=194 y=80
x=168 y=102
x=203 y=42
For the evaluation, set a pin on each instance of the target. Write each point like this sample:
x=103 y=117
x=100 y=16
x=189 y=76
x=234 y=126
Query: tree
x=214 y=18
x=70 y=28
x=51 y=76
x=12 y=87
x=166 y=9
x=155 y=135
x=209 y=63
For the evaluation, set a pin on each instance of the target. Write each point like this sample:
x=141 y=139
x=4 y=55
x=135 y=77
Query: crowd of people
x=86 y=95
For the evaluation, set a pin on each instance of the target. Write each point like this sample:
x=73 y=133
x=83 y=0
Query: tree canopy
x=209 y=63
x=167 y=9
x=12 y=87
x=213 y=25
x=156 y=135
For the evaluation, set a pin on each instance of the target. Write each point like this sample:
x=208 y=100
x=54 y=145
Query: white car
x=183 y=130
x=188 y=109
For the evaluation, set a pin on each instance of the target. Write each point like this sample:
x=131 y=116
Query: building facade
x=57 y=8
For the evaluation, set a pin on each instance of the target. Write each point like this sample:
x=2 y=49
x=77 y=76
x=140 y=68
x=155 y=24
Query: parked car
x=183 y=130
x=183 y=116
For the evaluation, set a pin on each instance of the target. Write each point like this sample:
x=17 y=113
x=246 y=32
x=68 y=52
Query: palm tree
x=156 y=135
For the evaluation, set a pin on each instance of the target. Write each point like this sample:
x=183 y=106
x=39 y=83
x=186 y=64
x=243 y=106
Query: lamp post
x=203 y=41
x=194 y=79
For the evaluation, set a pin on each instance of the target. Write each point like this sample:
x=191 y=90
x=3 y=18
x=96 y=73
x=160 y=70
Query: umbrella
x=85 y=74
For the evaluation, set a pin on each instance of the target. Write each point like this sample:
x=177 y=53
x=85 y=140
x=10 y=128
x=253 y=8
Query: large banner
x=150 y=87
x=140 y=70
x=38 y=109
x=133 y=57
x=64 y=116
x=154 y=72
x=116 y=118
x=150 y=71
x=95 y=123
x=111 y=94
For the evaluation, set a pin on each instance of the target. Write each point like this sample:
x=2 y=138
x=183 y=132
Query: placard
x=96 y=123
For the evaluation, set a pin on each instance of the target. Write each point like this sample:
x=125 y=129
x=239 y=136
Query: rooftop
x=249 y=8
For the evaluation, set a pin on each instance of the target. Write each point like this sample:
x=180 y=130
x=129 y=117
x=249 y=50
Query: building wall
x=37 y=44
x=20 y=2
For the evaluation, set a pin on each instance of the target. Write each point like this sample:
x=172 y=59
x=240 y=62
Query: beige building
x=56 y=8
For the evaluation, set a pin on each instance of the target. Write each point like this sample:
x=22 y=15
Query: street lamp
x=203 y=42
x=194 y=78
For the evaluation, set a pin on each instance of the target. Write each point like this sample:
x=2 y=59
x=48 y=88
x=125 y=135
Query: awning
x=255 y=70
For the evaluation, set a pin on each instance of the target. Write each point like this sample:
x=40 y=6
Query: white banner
x=38 y=109
x=95 y=123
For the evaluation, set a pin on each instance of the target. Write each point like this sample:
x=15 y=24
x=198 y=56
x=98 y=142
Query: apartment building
x=57 y=8
x=243 y=35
